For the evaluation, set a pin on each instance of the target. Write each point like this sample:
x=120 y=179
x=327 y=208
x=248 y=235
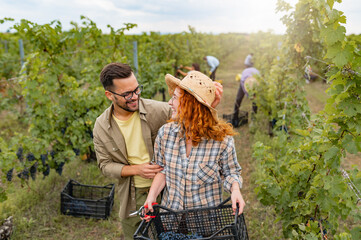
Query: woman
x=196 y=150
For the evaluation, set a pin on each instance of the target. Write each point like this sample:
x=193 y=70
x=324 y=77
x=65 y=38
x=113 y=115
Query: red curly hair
x=197 y=121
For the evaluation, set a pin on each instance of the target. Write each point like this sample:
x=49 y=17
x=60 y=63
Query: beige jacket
x=111 y=151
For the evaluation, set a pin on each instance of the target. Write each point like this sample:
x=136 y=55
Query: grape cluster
x=90 y=132
x=24 y=174
x=30 y=157
x=59 y=169
x=19 y=153
x=178 y=236
x=324 y=222
x=43 y=158
x=76 y=206
x=46 y=171
x=9 y=175
x=63 y=129
x=76 y=151
x=33 y=170
x=52 y=154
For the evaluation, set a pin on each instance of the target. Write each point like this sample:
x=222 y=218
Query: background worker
x=124 y=135
x=247 y=73
x=213 y=63
x=195 y=66
x=248 y=62
x=309 y=75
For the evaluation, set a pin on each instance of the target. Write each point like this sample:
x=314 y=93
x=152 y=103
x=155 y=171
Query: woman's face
x=174 y=102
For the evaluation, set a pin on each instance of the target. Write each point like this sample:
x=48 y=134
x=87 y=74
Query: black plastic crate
x=241 y=120
x=197 y=223
x=87 y=200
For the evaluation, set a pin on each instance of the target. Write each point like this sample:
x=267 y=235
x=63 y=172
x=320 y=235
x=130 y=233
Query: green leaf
x=333 y=36
x=342 y=19
x=302 y=226
x=330 y=3
x=349 y=144
x=301 y=132
x=339 y=56
x=331 y=153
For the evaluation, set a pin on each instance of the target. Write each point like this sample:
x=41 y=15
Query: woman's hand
x=219 y=93
x=148 y=207
x=237 y=198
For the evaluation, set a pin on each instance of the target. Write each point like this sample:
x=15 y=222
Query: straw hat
x=198 y=85
x=250 y=83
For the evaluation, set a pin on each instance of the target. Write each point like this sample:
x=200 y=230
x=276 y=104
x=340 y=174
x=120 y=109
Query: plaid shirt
x=195 y=181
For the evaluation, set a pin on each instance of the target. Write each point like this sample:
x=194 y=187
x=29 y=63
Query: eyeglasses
x=129 y=95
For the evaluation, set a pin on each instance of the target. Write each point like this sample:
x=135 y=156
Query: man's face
x=125 y=87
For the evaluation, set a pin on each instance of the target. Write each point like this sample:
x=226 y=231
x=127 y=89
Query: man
x=213 y=63
x=124 y=136
x=195 y=66
x=246 y=79
x=248 y=61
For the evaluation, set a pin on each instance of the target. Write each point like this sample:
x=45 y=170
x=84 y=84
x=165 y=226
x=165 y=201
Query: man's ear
x=109 y=95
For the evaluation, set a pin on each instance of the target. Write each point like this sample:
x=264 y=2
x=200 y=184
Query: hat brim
x=173 y=82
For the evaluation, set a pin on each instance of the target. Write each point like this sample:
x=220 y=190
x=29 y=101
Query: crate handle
x=109 y=185
x=67 y=195
x=164 y=208
x=171 y=210
x=224 y=202
x=72 y=180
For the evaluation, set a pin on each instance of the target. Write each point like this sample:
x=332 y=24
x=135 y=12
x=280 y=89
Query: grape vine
x=300 y=172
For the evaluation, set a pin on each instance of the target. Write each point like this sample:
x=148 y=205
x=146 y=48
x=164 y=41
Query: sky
x=166 y=16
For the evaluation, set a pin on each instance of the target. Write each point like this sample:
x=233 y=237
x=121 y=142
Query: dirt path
x=259 y=219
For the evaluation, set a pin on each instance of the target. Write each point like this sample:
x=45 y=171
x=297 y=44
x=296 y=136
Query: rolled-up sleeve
x=158 y=157
x=230 y=168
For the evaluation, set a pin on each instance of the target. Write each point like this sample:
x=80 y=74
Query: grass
x=316 y=95
x=36 y=207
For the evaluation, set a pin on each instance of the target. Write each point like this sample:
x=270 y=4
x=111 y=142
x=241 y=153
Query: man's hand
x=147 y=170
x=219 y=93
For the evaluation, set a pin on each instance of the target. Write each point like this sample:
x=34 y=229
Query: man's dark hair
x=114 y=71
x=196 y=66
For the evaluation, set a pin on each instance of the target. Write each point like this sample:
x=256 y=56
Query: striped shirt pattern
x=195 y=181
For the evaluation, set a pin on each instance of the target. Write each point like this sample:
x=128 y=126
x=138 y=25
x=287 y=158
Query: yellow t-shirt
x=136 y=148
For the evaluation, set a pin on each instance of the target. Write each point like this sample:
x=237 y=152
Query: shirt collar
x=175 y=127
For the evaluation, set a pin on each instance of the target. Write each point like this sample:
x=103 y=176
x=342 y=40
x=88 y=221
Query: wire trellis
x=351 y=185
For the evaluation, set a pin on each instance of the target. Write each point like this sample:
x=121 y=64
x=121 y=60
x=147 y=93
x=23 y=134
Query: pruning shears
x=140 y=212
